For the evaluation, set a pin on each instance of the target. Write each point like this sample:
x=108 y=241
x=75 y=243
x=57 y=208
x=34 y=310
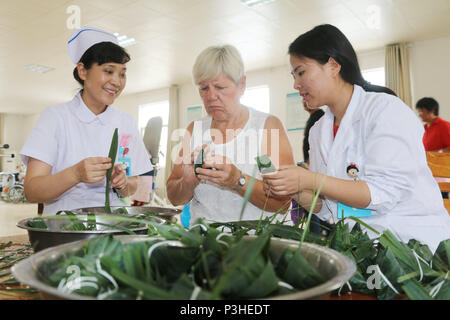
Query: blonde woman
x=232 y=136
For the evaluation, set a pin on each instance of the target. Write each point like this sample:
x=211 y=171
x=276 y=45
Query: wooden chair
x=439 y=164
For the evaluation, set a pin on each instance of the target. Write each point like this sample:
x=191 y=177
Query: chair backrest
x=439 y=164
x=40 y=209
x=152 y=138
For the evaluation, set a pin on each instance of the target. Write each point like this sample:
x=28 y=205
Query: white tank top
x=217 y=203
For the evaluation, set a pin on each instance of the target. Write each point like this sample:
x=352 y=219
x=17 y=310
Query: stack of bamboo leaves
x=202 y=263
x=386 y=267
x=207 y=263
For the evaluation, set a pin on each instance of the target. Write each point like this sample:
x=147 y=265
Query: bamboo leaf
x=248 y=193
x=37 y=223
x=91 y=222
x=311 y=210
x=363 y=224
x=415 y=291
x=441 y=258
x=112 y=156
x=185 y=289
x=294 y=269
x=5 y=245
x=242 y=264
x=149 y=291
x=172 y=261
x=263 y=285
x=392 y=269
x=400 y=250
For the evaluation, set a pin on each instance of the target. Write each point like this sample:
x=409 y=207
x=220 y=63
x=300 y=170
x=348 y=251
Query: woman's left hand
x=118 y=177
x=284 y=182
x=219 y=170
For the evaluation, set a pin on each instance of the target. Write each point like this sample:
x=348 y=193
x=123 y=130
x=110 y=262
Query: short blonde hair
x=214 y=60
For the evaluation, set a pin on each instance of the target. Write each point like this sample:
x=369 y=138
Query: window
x=375 y=76
x=156 y=109
x=258 y=98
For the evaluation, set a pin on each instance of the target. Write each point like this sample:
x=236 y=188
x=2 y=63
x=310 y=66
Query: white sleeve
x=42 y=142
x=393 y=145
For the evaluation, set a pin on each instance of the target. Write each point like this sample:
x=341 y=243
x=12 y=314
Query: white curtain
x=1 y=140
x=174 y=124
x=397 y=71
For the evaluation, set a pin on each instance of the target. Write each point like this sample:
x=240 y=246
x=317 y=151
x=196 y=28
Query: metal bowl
x=166 y=213
x=335 y=267
x=55 y=234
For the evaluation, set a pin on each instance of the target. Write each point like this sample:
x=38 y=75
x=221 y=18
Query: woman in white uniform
x=67 y=151
x=367 y=149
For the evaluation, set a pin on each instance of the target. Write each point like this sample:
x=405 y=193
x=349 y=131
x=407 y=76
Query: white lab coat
x=70 y=132
x=383 y=137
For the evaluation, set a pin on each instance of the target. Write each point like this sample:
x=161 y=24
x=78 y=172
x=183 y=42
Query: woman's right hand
x=91 y=170
x=284 y=182
x=189 y=175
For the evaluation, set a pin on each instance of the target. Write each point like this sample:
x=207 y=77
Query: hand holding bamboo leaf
x=91 y=170
x=192 y=162
x=287 y=181
x=118 y=177
x=219 y=170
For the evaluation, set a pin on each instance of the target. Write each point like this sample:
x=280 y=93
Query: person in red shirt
x=437 y=130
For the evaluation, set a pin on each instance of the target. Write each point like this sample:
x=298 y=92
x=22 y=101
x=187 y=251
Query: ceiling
x=171 y=33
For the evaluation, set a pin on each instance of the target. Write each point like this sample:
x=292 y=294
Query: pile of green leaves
x=390 y=268
x=11 y=253
x=200 y=263
x=213 y=264
x=410 y=268
x=76 y=222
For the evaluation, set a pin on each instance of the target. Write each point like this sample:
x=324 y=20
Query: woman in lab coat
x=67 y=151
x=366 y=150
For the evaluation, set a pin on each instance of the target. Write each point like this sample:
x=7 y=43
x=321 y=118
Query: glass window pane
x=148 y=111
x=157 y=109
x=375 y=76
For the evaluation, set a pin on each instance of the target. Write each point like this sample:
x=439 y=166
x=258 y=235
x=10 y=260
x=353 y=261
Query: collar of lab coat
x=84 y=114
x=332 y=147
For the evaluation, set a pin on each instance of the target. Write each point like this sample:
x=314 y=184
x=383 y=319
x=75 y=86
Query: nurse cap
x=84 y=38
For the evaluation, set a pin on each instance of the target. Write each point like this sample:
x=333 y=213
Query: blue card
x=344 y=211
x=124 y=160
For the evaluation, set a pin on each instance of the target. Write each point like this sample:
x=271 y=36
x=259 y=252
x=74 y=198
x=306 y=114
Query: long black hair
x=326 y=41
x=102 y=53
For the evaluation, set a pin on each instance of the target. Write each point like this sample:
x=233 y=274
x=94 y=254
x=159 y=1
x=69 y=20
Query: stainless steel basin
x=55 y=234
x=335 y=267
x=166 y=213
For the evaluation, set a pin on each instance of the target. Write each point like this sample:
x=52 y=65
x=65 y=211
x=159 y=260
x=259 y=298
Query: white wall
x=131 y=102
x=371 y=59
x=430 y=70
x=16 y=128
